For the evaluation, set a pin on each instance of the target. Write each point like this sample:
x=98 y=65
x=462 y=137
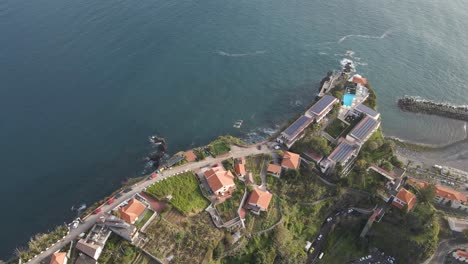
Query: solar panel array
x=295 y=128
x=364 y=128
x=367 y=110
x=323 y=103
x=342 y=152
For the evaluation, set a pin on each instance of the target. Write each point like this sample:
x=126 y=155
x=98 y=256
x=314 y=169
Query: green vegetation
x=186 y=195
x=343 y=244
x=40 y=242
x=228 y=209
x=188 y=239
x=141 y=222
x=118 y=250
x=372 y=99
x=411 y=146
x=256 y=223
x=254 y=164
x=316 y=144
x=222 y=145
x=336 y=128
x=200 y=153
x=418 y=231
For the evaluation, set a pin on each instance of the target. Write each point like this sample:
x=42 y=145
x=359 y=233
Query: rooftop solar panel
x=323 y=103
x=342 y=152
x=296 y=127
x=367 y=110
x=364 y=128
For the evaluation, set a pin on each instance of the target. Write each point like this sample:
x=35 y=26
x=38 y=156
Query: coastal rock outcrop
x=419 y=105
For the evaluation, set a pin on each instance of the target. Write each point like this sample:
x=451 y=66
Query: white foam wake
x=227 y=54
x=385 y=34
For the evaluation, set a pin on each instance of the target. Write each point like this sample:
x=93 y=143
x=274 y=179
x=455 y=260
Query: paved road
x=443 y=249
x=236 y=152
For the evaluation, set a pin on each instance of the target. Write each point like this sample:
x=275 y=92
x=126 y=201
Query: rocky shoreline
x=423 y=106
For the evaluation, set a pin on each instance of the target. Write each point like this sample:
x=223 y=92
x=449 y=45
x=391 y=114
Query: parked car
x=97 y=211
x=320 y=237
x=276 y=147
x=329 y=219
x=111 y=200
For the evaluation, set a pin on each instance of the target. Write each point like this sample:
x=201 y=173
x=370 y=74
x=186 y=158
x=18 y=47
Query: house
x=444 y=195
x=344 y=154
x=460 y=255
x=316 y=158
x=239 y=167
x=259 y=201
x=132 y=211
x=291 y=161
x=59 y=258
x=274 y=170
x=121 y=228
x=363 y=130
x=321 y=108
x=220 y=180
x=362 y=109
x=294 y=132
x=358 y=79
x=190 y=156
x=94 y=242
x=404 y=197
x=457 y=224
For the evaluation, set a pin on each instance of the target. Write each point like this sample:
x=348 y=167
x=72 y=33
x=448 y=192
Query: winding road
x=89 y=221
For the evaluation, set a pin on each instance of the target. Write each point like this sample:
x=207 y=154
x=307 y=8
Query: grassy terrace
x=228 y=209
x=336 y=128
x=255 y=164
x=118 y=250
x=186 y=195
x=141 y=222
x=265 y=219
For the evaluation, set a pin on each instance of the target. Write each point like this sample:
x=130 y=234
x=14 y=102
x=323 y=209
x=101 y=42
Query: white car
x=329 y=219
x=319 y=237
x=350 y=211
x=277 y=147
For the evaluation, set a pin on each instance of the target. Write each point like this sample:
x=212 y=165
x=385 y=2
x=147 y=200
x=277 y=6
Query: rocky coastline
x=423 y=106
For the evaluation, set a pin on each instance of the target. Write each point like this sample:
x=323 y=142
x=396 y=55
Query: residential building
x=444 y=195
x=59 y=258
x=130 y=212
x=457 y=224
x=358 y=79
x=316 y=158
x=321 y=108
x=94 y=242
x=259 y=201
x=395 y=176
x=190 y=156
x=344 y=154
x=291 y=161
x=404 y=197
x=221 y=182
x=239 y=167
x=460 y=255
x=274 y=170
x=367 y=111
x=363 y=130
x=294 y=132
x=121 y=228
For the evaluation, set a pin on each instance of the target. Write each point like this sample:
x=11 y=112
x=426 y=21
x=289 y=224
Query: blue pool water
x=348 y=99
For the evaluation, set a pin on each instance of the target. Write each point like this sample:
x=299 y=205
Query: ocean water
x=84 y=83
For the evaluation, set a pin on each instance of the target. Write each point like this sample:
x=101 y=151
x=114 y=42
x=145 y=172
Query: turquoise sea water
x=84 y=83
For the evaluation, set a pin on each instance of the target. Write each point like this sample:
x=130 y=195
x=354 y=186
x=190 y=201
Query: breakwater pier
x=423 y=106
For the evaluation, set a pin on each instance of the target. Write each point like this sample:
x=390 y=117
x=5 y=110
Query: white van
x=321 y=255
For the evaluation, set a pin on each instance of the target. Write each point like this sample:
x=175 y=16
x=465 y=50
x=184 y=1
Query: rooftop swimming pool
x=348 y=99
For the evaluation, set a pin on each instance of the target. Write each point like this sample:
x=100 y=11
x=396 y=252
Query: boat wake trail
x=385 y=34
x=227 y=54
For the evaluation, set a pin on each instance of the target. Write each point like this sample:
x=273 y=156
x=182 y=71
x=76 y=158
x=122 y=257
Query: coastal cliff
x=418 y=105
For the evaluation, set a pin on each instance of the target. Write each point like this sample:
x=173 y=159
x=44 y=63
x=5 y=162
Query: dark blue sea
x=84 y=83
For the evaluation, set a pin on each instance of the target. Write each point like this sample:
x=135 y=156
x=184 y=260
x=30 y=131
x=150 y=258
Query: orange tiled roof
x=359 y=79
x=418 y=183
x=190 y=156
x=407 y=197
x=450 y=194
x=58 y=258
x=239 y=168
x=132 y=210
x=290 y=160
x=218 y=178
x=260 y=198
x=462 y=254
x=273 y=168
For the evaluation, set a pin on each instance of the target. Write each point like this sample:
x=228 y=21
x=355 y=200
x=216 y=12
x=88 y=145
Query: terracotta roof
x=314 y=156
x=359 y=79
x=462 y=254
x=418 y=183
x=273 y=168
x=407 y=197
x=190 y=156
x=291 y=160
x=58 y=258
x=450 y=194
x=260 y=198
x=132 y=210
x=239 y=168
x=218 y=177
